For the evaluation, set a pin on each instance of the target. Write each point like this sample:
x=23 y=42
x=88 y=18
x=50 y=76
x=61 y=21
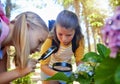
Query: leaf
x=71 y=78
x=92 y=57
x=117 y=75
x=82 y=80
x=59 y=76
x=104 y=73
x=103 y=50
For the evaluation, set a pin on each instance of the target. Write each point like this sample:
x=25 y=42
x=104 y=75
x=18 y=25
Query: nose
x=39 y=48
x=64 y=38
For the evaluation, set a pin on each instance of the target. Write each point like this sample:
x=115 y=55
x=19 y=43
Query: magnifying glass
x=48 y=53
x=62 y=67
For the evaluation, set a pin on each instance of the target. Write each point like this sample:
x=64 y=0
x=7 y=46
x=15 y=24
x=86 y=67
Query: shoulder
x=48 y=40
x=81 y=44
x=47 y=43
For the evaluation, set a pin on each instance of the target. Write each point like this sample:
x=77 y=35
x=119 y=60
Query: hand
x=31 y=65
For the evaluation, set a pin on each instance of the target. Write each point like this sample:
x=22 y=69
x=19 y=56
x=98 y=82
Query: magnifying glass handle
x=48 y=53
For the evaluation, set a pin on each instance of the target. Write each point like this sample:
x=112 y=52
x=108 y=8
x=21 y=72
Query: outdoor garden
x=100 y=22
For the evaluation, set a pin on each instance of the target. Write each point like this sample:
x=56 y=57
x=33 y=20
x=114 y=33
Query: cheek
x=59 y=37
x=70 y=38
x=33 y=43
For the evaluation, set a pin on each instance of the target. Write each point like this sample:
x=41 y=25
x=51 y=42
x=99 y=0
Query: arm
x=48 y=70
x=44 y=63
x=9 y=76
x=79 y=52
x=6 y=77
x=47 y=44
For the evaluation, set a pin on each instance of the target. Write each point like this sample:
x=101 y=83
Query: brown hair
x=68 y=19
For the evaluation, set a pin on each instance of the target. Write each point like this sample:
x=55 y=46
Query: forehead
x=38 y=33
x=61 y=29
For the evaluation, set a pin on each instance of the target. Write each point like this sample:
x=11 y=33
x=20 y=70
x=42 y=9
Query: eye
x=118 y=17
x=41 y=42
x=69 y=35
x=60 y=34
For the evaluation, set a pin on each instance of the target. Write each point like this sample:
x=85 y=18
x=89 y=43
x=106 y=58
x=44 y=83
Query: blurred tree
x=114 y=3
x=94 y=18
x=8 y=8
x=70 y=4
x=85 y=13
x=11 y=5
x=96 y=21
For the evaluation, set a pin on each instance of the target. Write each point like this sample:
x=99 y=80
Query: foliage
x=35 y=55
x=85 y=72
x=23 y=80
x=115 y=3
x=83 y=75
x=105 y=70
x=65 y=3
x=95 y=20
x=108 y=71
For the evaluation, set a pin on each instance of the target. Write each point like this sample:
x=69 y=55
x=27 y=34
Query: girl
x=68 y=38
x=26 y=33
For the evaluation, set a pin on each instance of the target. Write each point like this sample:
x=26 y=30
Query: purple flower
x=111 y=33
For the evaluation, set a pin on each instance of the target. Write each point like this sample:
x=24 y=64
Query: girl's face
x=37 y=38
x=64 y=35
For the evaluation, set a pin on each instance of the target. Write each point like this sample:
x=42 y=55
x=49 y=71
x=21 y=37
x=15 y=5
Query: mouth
x=65 y=43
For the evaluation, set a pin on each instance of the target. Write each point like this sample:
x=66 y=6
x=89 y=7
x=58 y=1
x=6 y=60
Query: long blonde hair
x=21 y=35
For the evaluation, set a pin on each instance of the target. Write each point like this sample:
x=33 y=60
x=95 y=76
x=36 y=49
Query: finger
x=35 y=60
x=33 y=63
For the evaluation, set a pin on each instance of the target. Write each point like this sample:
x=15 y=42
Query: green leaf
x=71 y=78
x=117 y=75
x=83 y=80
x=92 y=57
x=59 y=76
x=104 y=73
x=103 y=50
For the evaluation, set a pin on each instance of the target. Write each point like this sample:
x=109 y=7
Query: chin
x=66 y=43
x=33 y=51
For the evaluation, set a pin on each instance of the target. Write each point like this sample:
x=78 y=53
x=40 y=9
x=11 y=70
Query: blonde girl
x=26 y=33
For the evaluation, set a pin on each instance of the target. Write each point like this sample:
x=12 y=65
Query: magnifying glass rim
x=63 y=64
